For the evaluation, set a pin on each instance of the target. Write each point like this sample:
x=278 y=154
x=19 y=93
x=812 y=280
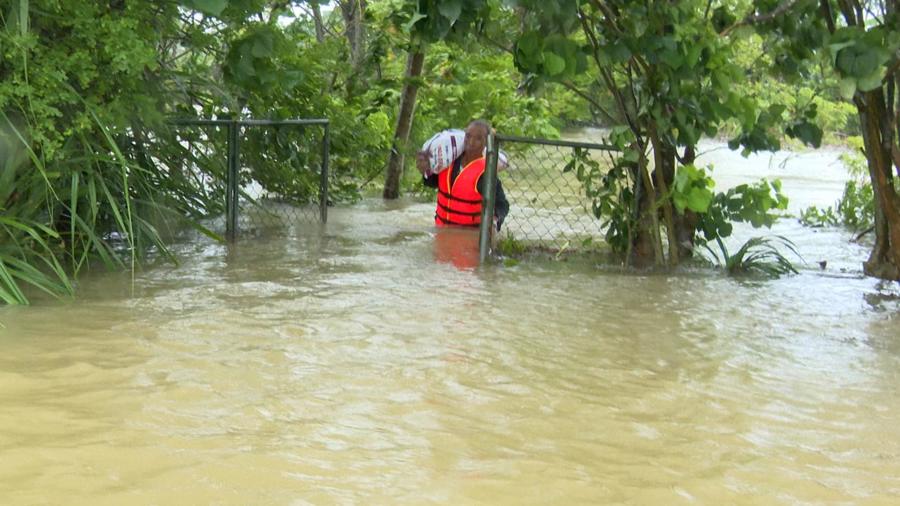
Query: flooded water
x=366 y=362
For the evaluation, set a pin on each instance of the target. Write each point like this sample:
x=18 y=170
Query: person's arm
x=422 y=164
x=430 y=181
x=501 y=205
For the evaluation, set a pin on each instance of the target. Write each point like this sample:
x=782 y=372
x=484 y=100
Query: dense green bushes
x=90 y=169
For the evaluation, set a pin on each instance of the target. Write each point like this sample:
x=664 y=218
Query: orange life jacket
x=458 y=202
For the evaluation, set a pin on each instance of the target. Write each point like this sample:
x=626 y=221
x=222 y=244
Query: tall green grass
x=55 y=219
x=96 y=194
x=759 y=255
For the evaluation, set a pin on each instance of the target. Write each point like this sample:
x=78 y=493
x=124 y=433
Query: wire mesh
x=549 y=207
x=279 y=171
x=279 y=177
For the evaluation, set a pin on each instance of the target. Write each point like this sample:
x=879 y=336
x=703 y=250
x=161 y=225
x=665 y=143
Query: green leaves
x=753 y=203
x=554 y=65
x=235 y=11
x=804 y=129
x=860 y=60
x=722 y=18
x=24 y=244
x=760 y=255
x=258 y=61
x=555 y=17
x=450 y=9
x=692 y=189
x=529 y=52
x=434 y=20
x=861 y=57
x=617 y=52
x=750 y=203
x=554 y=56
x=210 y=7
x=807 y=132
x=17 y=17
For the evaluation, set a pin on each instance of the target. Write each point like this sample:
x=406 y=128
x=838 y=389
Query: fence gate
x=549 y=209
x=282 y=178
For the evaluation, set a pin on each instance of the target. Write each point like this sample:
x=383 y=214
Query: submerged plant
x=759 y=255
x=855 y=209
x=510 y=246
x=814 y=216
x=26 y=258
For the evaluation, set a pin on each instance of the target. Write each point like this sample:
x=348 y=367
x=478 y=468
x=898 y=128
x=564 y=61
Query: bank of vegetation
x=91 y=172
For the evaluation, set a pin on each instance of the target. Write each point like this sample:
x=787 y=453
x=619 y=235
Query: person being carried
x=460 y=185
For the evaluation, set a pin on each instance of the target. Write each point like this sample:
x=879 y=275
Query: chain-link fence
x=544 y=184
x=266 y=174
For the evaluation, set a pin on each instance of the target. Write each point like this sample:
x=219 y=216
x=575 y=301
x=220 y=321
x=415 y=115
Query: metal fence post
x=488 y=198
x=323 y=182
x=232 y=183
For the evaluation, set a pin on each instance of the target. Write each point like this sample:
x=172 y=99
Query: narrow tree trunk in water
x=664 y=157
x=414 y=64
x=646 y=244
x=686 y=222
x=884 y=261
x=643 y=250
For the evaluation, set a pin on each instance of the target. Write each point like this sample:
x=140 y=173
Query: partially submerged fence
x=282 y=179
x=549 y=207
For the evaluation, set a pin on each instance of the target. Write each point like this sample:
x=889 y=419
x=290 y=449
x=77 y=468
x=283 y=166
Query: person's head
x=476 y=138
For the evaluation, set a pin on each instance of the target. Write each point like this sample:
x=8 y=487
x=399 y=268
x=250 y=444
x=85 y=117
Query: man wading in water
x=460 y=188
x=460 y=185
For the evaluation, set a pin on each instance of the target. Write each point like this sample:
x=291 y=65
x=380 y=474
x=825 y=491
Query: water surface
x=356 y=364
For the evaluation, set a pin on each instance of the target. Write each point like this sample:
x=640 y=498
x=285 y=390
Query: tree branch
x=761 y=18
x=608 y=77
x=571 y=87
x=857 y=7
x=825 y=7
x=848 y=12
x=496 y=44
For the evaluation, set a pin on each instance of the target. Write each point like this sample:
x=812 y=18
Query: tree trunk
x=686 y=222
x=353 y=11
x=664 y=160
x=643 y=246
x=884 y=261
x=646 y=244
x=414 y=63
x=317 y=19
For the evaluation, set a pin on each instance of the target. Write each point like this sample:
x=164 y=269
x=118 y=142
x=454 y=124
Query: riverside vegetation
x=91 y=173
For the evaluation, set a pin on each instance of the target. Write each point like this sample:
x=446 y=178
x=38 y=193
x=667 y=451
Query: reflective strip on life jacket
x=458 y=202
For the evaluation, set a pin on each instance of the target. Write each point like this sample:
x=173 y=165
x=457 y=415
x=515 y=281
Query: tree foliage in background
x=424 y=22
x=90 y=171
x=670 y=71
x=73 y=78
x=859 y=41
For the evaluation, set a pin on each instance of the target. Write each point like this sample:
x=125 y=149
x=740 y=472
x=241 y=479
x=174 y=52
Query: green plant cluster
x=673 y=78
x=92 y=172
x=758 y=204
x=472 y=84
x=73 y=78
x=855 y=209
x=765 y=256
